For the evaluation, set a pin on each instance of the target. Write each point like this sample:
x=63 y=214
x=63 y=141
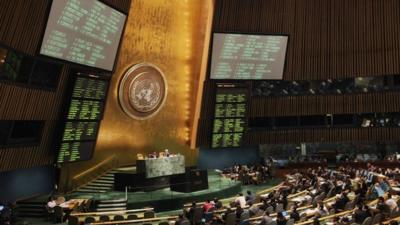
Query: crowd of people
x=354 y=195
x=7 y=213
x=249 y=174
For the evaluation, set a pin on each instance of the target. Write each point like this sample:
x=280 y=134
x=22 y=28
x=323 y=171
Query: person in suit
x=217 y=203
x=266 y=219
x=280 y=219
x=190 y=212
x=381 y=206
x=249 y=197
x=181 y=220
x=341 y=202
x=359 y=214
x=295 y=215
x=216 y=220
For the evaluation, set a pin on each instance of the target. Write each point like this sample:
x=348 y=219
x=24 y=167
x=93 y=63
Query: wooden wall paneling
x=314 y=105
x=323 y=135
x=350 y=34
x=21 y=26
x=328 y=39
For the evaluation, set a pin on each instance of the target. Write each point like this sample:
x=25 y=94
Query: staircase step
x=100 y=184
x=112 y=201
x=32 y=215
x=111 y=209
x=106 y=179
x=97 y=188
x=108 y=175
x=111 y=205
x=91 y=191
x=29 y=205
x=104 y=182
x=31 y=209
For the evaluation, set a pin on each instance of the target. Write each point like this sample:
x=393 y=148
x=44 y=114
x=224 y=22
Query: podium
x=139 y=182
x=151 y=174
x=160 y=167
x=191 y=180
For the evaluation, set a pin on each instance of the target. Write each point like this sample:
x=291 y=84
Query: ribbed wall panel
x=21 y=25
x=327 y=39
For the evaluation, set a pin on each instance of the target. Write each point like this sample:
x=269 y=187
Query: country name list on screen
x=86 y=32
x=245 y=56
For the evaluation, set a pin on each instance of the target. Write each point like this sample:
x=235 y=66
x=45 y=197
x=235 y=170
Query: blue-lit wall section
x=224 y=157
x=26 y=183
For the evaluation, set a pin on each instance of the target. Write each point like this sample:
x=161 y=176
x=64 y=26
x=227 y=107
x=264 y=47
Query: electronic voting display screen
x=86 y=32
x=229 y=122
x=248 y=56
x=83 y=119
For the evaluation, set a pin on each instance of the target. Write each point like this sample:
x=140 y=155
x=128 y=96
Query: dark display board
x=83 y=119
x=248 y=56
x=80 y=131
x=90 y=88
x=86 y=32
x=229 y=122
x=230 y=110
x=75 y=151
x=85 y=110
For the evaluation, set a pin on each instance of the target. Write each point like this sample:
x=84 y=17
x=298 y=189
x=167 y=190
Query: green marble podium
x=163 y=166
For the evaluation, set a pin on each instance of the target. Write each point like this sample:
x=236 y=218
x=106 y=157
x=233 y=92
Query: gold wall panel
x=170 y=34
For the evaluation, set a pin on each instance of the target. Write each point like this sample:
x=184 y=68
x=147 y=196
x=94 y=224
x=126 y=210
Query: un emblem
x=142 y=91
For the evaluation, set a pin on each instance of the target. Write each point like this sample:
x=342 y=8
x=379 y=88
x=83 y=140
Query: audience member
x=249 y=197
x=181 y=220
x=240 y=200
x=280 y=219
x=391 y=202
x=216 y=220
x=359 y=214
x=207 y=206
x=266 y=219
x=294 y=214
x=217 y=203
